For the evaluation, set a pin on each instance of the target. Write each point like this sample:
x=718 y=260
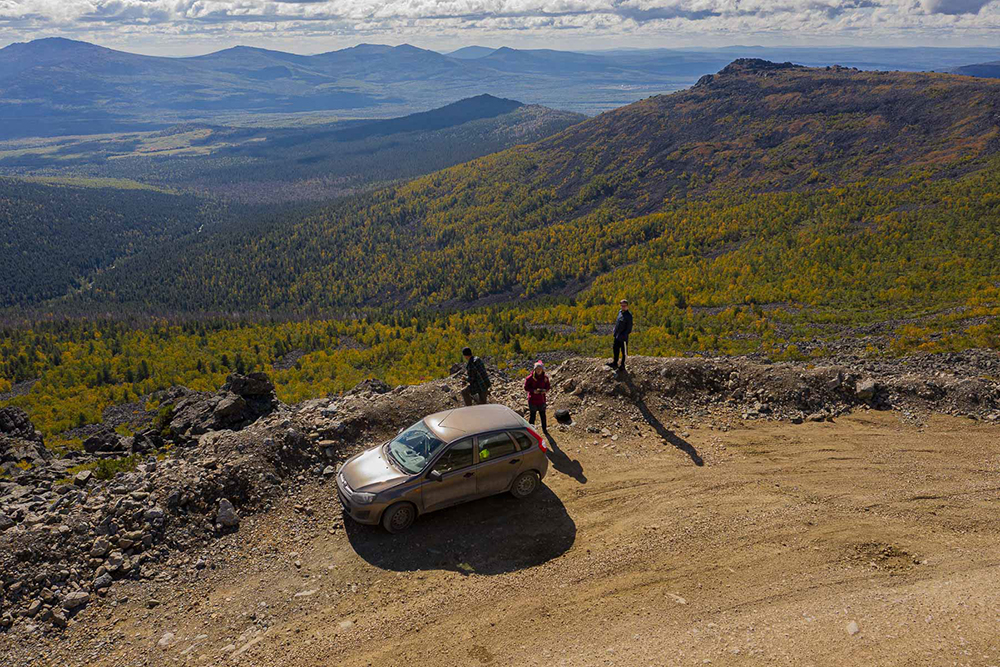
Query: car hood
x=369 y=471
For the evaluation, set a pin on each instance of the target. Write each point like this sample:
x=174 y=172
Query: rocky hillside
x=770 y=126
x=142 y=508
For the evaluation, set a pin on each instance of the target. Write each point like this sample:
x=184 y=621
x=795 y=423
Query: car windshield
x=414 y=447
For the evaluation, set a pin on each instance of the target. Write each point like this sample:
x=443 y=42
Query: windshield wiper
x=396 y=462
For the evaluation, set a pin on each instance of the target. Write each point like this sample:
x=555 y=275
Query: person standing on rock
x=479 y=380
x=623 y=327
x=537 y=385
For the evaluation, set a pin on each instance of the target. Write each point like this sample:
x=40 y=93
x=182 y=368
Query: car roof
x=460 y=422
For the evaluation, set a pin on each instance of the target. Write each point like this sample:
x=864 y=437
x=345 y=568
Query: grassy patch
x=81 y=182
x=62 y=446
x=105 y=469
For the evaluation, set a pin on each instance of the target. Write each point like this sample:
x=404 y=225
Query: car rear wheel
x=399 y=517
x=525 y=484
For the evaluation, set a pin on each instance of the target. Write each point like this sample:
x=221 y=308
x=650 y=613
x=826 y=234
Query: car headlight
x=363 y=498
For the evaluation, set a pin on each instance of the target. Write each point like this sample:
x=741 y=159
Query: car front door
x=498 y=462
x=458 y=478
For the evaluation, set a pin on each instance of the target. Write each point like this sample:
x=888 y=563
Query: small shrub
x=106 y=469
x=163 y=417
x=63 y=445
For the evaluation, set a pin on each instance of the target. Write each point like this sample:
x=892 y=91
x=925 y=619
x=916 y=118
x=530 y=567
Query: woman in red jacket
x=537 y=384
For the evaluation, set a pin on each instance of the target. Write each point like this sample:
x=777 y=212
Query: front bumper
x=367 y=514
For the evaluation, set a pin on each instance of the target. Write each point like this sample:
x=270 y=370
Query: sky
x=189 y=27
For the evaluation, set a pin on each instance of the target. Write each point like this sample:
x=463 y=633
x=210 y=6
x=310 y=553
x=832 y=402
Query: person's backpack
x=481 y=367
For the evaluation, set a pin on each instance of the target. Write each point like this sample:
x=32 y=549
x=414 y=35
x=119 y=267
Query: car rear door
x=498 y=462
x=458 y=477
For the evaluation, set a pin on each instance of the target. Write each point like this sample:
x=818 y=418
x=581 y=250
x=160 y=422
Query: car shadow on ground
x=661 y=430
x=493 y=535
x=562 y=462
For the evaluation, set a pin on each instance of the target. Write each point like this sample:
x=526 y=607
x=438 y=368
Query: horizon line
x=494 y=49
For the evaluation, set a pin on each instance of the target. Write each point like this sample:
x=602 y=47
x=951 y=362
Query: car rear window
x=524 y=441
x=495 y=445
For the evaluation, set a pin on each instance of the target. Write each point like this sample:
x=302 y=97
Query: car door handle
x=468 y=474
x=513 y=461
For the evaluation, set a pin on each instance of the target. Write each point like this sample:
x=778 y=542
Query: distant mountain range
x=309 y=162
x=53 y=87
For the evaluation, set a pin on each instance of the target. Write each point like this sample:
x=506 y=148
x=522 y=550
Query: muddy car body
x=444 y=459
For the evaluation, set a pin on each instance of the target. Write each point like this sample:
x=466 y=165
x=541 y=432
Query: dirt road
x=862 y=542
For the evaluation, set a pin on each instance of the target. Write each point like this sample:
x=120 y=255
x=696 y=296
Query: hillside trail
x=866 y=541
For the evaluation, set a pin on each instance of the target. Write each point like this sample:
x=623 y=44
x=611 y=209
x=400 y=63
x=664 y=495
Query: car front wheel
x=525 y=484
x=399 y=517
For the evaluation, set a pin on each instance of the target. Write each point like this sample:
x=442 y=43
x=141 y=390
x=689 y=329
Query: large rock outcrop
x=242 y=400
x=19 y=441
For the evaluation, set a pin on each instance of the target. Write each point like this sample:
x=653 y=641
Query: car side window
x=495 y=445
x=523 y=440
x=456 y=457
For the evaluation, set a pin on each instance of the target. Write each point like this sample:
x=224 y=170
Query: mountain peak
x=473 y=52
x=53 y=44
x=365 y=47
x=748 y=66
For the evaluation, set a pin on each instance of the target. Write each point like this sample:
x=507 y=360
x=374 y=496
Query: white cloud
x=954 y=7
x=476 y=20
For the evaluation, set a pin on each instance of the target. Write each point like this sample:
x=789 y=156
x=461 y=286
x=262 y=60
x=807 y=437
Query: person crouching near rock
x=537 y=385
x=479 y=380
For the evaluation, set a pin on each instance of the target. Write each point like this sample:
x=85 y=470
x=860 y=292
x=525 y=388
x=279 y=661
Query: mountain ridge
x=78 y=88
x=988 y=70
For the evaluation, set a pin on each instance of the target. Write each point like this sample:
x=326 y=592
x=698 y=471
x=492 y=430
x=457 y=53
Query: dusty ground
x=631 y=555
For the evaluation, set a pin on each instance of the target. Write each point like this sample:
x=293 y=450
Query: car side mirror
x=435 y=476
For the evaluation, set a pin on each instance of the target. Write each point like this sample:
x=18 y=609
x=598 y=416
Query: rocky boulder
x=254 y=385
x=14 y=423
x=369 y=386
x=105 y=441
x=19 y=441
x=866 y=389
x=75 y=600
x=227 y=516
x=145 y=442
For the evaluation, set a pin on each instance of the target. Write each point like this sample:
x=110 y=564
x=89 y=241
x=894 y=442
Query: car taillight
x=542 y=445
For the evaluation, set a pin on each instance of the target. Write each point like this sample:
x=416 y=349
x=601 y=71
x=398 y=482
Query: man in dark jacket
x=623 y=327
x=479 y=380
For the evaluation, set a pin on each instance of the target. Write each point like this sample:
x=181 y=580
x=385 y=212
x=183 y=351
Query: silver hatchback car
x=445 y=459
